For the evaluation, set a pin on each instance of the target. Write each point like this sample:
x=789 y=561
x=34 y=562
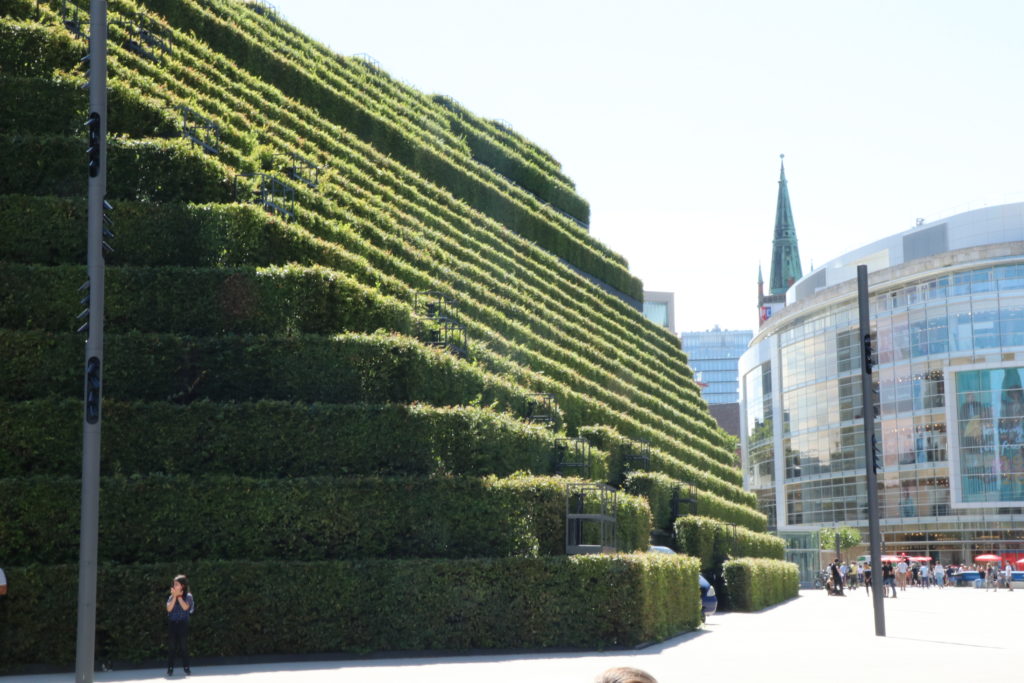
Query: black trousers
x=177 y=642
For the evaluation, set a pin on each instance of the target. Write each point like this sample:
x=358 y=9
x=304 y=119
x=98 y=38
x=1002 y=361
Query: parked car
x=708 y=599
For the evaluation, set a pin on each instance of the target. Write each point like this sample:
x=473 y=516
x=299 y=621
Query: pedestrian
x=1008 y=576
x=991 y=578
x=925 y=575
x=837 y=578
x=625 y=674
x=866 y=574
x=180 y=606
x=940 y=575
x=901 y=573
x=888 y=578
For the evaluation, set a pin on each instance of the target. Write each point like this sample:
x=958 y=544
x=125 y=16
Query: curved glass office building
x=947 y=312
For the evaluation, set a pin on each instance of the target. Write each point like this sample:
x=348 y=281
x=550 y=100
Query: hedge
x=348 y=368
x=146 y=518
x=59 y=106
x=587 y=602
x=659 y=488
x=214 y=233
x=274 y=439
x=686 y=464
x=754 y=584
x=420 y=114
x=30 y=49
x=375 y=174
x=712 y=542
x=470 y=183
x=174 y=234
x=154 y=170
x=202 y=301
x=503 y=137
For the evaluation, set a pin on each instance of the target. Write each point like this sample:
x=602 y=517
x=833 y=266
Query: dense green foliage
x=712 y=542
x=754 y=584
x=306 y=518
x=848 y=537
x=275 y=439
x=659 y=489
x=357 y=606
x=269 y=383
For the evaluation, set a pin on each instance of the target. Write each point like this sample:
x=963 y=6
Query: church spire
x=785 y=255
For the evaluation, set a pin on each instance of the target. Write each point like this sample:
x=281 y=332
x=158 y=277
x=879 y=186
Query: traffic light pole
x=868 y=411
x=97 y=162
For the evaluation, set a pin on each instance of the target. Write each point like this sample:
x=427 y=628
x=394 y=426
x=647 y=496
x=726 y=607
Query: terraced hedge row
x=202 y=301
x=510 y=155
x=712 y=542
x=485 y=132
x=30 y=49
x=419 y=114
x=299 y=519
x=590 y=602
x=60 y=106
x=345 y=368
x=659 y=489
x=250 y=228
x=276 y=439
x=758 y=583
x=142 y=170
x=688 y=465
x=162 y=234
x=263 y=386
x=325 y=143
x=474 y=184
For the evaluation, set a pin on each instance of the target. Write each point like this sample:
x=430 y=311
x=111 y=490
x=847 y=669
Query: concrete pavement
x=952 y=634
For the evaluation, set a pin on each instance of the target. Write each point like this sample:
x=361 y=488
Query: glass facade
x=714 y=355
x=656 y=312
x=949 y=409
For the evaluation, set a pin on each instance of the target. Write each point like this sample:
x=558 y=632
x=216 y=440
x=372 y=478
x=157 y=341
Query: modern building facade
x=947 y=313
x=714 y=356
x=660 y=309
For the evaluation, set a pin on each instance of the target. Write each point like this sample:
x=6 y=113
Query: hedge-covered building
x=357 y=345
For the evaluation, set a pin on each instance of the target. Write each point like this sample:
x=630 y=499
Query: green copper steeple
x=785 y=255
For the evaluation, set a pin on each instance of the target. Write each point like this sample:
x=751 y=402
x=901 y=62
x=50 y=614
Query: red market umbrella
x=987 y=558
x=920 y=558
x=1020 y=561
x=890 y=558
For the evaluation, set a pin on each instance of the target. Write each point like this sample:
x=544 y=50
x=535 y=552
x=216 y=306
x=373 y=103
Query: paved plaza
x=953 y=634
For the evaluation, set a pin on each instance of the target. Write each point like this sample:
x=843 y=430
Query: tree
x=848 y=537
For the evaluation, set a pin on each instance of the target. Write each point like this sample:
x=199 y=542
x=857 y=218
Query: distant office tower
x=714 y=356
x=660 y=309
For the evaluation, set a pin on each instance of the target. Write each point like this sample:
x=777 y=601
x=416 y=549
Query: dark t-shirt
x=179 y=614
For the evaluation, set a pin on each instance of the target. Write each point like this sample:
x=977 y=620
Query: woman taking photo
x=180 y=605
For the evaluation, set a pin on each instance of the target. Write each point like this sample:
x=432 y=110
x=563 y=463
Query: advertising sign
x=985 y=418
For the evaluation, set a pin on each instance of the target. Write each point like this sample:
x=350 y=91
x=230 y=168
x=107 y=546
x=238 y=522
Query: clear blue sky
x=670 y=116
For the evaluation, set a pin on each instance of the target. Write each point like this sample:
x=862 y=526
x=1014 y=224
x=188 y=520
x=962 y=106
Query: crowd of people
x=896 y=576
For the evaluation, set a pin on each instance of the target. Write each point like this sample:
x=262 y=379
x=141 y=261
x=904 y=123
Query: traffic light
x=93 y=124
x=93 y=386
x=869 y=361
